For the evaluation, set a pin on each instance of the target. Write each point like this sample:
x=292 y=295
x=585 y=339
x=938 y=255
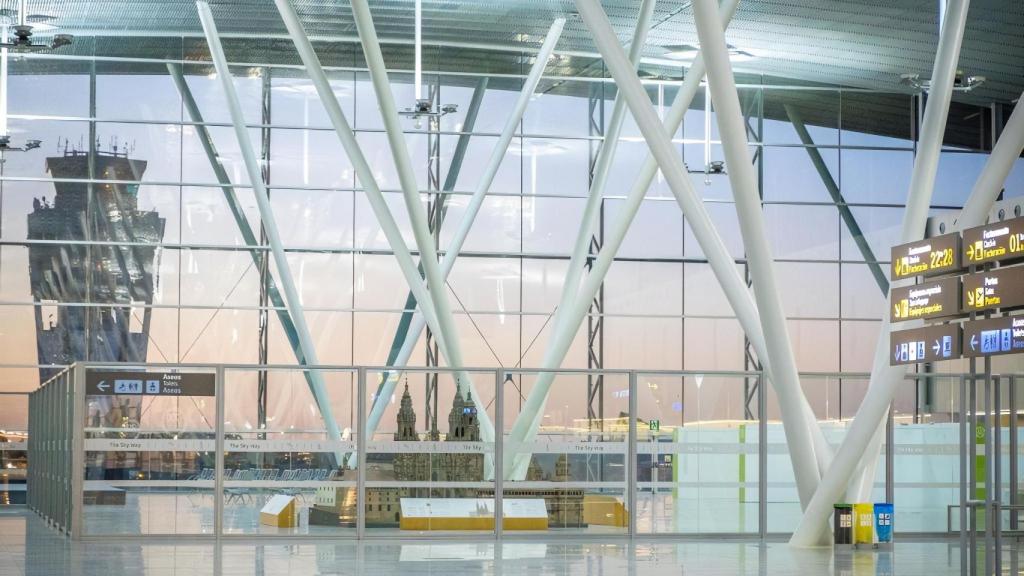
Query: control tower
x=115 y=281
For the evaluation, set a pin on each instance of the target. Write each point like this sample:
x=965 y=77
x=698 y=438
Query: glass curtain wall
x=119 y=243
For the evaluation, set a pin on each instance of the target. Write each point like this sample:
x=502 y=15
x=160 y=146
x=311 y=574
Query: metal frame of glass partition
x=631 y=456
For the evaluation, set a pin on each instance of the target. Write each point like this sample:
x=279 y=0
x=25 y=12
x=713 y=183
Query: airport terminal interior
x=589 y=287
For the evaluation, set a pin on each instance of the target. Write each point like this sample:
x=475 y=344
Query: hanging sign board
x=998 y=242
x=927 y=300
x=114 y=383
x=927 y=344
x=936 y=255
x=999 y=288
x=994 y=336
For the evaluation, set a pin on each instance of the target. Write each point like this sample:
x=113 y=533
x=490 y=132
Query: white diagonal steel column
x=252 y=166
x=605 y=157
x=410 y=190
x=370 y=187
x=472 y=209
x=993 y=175
x=984 y=193
x=755 y=240
x=884 y=378
x=722 y=264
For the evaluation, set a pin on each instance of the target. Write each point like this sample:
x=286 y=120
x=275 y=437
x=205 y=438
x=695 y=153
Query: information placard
x=927 y=344
x=997 y=242
x=111 y=383
x=927 y=300
x=1000 y=288
x=994 y=336
x=936 y=255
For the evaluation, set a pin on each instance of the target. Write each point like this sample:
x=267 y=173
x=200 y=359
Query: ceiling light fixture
x=961 y=83
x=423 y=108
x=22 y=41
x=687 y=52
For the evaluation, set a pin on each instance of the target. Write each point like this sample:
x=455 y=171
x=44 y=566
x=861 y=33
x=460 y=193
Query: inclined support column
x=605 y=156
x=884 y=378
x=252 y=166
x=755 y=240
x=373 y=193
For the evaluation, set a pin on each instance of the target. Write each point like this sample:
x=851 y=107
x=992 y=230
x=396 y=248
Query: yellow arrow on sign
x=970 y=251
x=970 y=297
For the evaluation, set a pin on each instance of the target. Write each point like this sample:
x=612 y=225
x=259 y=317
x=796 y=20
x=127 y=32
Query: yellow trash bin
x=864 y=523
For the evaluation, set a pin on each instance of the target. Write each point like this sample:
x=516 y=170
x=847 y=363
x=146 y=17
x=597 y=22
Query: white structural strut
x=722 y=264
x=284 y=273
x=410 y=192
x=974 y=213
x=370 y=187
x=527 y=424
x=755 y=240
x=884 y=378
x=605 y=157
x=472 y=209
x=993 y=175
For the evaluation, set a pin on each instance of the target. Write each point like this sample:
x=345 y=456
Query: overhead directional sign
x=927 y=300
x=1000 y=288
x=935 y=255
x=996 y=242
x=994 y=336
x=150 y=383
x=927 y=344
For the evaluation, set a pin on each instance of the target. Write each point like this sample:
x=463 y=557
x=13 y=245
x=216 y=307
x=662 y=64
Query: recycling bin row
x=862 y=523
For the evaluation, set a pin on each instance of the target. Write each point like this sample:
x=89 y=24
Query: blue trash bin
x=883 y=522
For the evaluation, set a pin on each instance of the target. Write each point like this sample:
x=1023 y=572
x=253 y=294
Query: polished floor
x=29 y=547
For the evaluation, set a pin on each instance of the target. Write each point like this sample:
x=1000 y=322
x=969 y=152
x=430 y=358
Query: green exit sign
x=654 y=425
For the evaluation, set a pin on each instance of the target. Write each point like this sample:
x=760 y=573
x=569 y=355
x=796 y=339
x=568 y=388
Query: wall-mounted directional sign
x=994 y=336
x=927 y=344
x=150 y=383
x=996 y=242
x=927 y=300
x=1000 y=288
x=935 y=255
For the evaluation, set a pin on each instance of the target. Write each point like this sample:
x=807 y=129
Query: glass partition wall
x=430 y=452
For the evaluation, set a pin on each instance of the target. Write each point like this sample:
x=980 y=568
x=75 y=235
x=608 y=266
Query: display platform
x=424 y=514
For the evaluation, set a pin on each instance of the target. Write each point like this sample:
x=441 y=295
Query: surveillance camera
x=423 y=106
x=33 y=144
x=958 y=79
x=716 y=167
x=450 y=108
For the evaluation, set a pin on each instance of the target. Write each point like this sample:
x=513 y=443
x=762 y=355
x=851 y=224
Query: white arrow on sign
x=974 y=341
x=102 y=386
x=936 y=347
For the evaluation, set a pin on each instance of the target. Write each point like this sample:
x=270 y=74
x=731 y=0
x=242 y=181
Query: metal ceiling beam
x=448 y=334
x=884 y=378
x=755 y=240
x=837 y=197
x=292 y=298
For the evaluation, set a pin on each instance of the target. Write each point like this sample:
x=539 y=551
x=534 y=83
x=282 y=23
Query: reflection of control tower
x=65 y=273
